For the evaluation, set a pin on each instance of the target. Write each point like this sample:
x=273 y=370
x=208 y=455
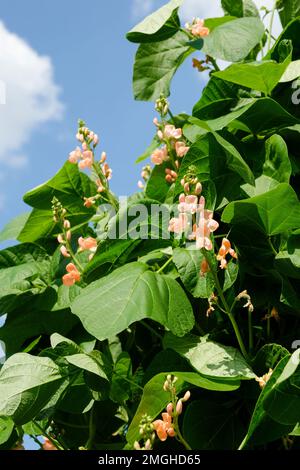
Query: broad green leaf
x=65 y=296
x=268 y=357
x=260 y=76
x=292 y=72
x=208 y=425
x=14 y=227
x=274 y=212
x=188 y=263
x=288 y=261
x=263 y=184
x=272 y=117
x=217 y=98
x=110 y=255
x=277 y=164
x=283 y=400
x=240 y=8
x=160 y=25
x=288 y=10
x=262 y=428
x=26 y=385
x=234 y=40
x=6 y=428
x=290 y=33
x=131 y=293
x=92 y=362
x=213 y=163
x=157 y=188
x=211 y=359
x=155 y=65
x=155 y=399
x=69 y=186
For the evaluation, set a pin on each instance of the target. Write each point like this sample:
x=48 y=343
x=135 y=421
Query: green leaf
x=92 y=362
x=283 y=400
x=233 y=41
x=131 y=293
x=160 y=25
x=6 y=428
x=69 y=186
x=122 y=379
x=240 y=8
x=274 y=212
x=262 y=428
x=188 y=263
x=260 y=76
x=292 y=72
x=155 y=65
x=277 y=164
x=155 y=399
x=272 y=117
x=217 y=98
x=26 y=385
x=211 y=359
x=208 y=425
x=230 y=275
x=288 y=261
x=288 y=10
x=268 y=357
x=157 y=188
x=14 y=227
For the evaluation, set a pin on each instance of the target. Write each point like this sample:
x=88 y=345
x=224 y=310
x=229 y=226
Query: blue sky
x=60 y=62
x=87 y=73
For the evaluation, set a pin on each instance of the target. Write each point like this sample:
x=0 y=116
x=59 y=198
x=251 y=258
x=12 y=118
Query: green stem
x=171 y=116
x=47 y=435
x=226 y=307
x=271 y=26
x=214 y=63
x=70 y=250
x=92 y=430
x=250 y=331
x=165 y=265
x=272 y=247
x=181 y=439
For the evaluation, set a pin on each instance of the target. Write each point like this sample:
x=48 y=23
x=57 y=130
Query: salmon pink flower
x=170 y=132
x=88 y=243
x=75 y=155
x=188 y=204
x=160 y=155
x=225 y=250
x=72 y=276
x=198 y=29
x=164 y=427
x=181 y=149
x=48 y=445
x=89 y=202
x=179 y=224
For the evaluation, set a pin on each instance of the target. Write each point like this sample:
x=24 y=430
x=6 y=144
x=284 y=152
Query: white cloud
x=141 y=8
x=31 y=95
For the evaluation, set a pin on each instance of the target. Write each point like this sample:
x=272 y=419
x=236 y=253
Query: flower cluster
x=197 y=28
x=84 y=156
x=147 y=434
x=167 y=426
x=225 y=250
x=173 y=148
x=192 y=207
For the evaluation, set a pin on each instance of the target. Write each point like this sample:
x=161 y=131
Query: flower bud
x=148 y=444
x=186 y=187
x=169 y=179
x=160 y=135
x=103 y=157
x=69 y=235
x=136 y=445
x=166 y=386
x=64 y=251
x=67 y=224
x=156 y=122
x=60 y=239
x=186 y=396
x=179 y=407
x=170 y=409
x=198 y=189
x=95 y=140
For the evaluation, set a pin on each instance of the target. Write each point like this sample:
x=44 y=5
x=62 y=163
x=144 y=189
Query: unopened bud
x=173 y=174
x=186 y=396
x=67 y=224
x=69 y=235
x=95 y=140
x=186 y=187
x=103 y=157
x=166 y=386
x=148 y=444
x=136 y=445
x=60 y=239
x=170 y=409
x=179 y=407
x=160 y=135
x=169 y=179
x=182 y=182
x=198 y=189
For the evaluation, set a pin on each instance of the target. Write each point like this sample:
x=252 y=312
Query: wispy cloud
x=141 y=8
x=28 y=96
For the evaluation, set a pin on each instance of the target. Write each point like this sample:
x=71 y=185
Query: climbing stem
x=271 y=25
x=226 y=306
x=165 y=265
x=92 y=430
